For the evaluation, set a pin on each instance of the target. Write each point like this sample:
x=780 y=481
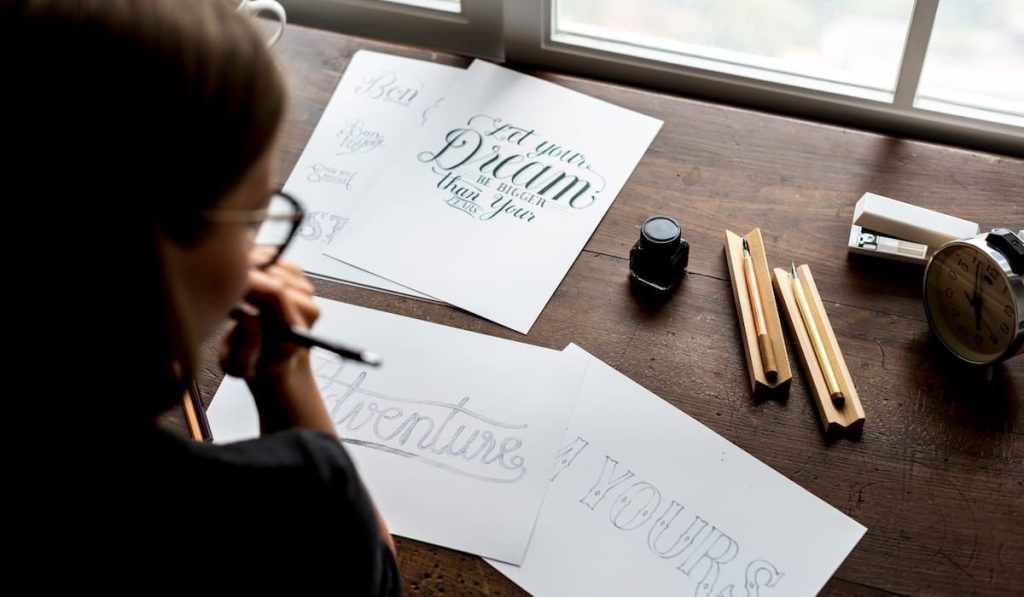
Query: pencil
x=197 y=402
x=834 y=391
x=195 y=414
x=190 y=417
x=764 y=345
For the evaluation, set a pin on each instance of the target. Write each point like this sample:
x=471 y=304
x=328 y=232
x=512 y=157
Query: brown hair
x=130 y=116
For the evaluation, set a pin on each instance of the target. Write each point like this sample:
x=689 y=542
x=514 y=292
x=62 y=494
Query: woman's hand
x=279 y=373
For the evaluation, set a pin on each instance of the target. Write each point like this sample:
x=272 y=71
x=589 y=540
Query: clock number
x=948 y=292
x=1005 y=329
x=1008 y=310
x=952 y=275
x=962 y=330
x=963 y=266
x=978 y=339
x=955 y=312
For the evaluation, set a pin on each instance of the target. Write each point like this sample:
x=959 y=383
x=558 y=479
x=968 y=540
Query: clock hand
x=990 y=330
x=976 y=299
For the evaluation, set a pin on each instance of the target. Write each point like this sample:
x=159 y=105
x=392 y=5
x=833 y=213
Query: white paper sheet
x=381 y=102
x=492 y=202
x=454 y=435
x=647 y=501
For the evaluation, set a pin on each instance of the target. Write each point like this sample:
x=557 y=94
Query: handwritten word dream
x=699 y=550
x=448 y=436
x=525 y=168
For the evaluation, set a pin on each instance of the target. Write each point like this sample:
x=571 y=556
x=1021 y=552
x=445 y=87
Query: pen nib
x=746 y=247
x=792 y=264
x=371 y=358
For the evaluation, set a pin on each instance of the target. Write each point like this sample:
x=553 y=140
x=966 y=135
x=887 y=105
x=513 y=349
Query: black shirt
x=287 y=508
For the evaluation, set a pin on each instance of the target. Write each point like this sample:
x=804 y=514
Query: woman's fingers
x=283 y=296
x=240 y=350
x=291 y=275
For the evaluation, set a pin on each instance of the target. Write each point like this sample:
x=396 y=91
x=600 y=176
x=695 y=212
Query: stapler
x=892 y=229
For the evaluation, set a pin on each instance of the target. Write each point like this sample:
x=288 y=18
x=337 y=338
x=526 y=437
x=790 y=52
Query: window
x=975 y=61
x=846 y=47
x=945 y=70
x=471 y=27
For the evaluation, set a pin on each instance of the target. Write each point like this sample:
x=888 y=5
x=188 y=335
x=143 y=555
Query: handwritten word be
x=386 y=88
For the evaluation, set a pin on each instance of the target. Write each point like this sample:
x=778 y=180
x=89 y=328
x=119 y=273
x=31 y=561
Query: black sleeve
x=293 y=506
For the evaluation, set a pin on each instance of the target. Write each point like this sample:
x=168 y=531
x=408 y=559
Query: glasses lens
x=274 y=231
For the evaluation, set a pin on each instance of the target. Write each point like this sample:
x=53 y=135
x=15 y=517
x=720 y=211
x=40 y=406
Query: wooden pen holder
x=759 y=382
x=849 y=415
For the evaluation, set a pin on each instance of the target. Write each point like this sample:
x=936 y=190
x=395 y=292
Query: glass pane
x=975 y=60
x=445 y=5
x=852 y=42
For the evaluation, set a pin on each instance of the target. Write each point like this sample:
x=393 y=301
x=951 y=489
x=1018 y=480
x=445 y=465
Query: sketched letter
x=645 y=499
x=606 y=481
x=761 y=573
x=721 y=549
x=456 y=142
x=567 y=454
x=683 y=541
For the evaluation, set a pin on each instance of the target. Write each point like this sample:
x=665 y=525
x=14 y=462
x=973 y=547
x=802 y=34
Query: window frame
x=474 y=31
x=521 y=32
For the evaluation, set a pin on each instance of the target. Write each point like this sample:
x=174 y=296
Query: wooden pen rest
x=759 y=383
x=849 y=415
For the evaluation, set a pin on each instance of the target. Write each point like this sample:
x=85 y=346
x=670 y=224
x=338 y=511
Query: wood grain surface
x=937 y=475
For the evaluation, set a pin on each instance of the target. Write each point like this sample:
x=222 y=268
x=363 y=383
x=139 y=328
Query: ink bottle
x=658 y=260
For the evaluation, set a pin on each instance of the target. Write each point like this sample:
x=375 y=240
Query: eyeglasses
x=272 y=228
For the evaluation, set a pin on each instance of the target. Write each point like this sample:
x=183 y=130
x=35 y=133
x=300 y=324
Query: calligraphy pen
x=831 y=382
x=301 y=337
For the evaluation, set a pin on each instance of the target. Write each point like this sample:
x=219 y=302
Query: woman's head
x=132 y=118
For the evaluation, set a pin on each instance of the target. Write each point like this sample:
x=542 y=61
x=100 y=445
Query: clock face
x=970 y=304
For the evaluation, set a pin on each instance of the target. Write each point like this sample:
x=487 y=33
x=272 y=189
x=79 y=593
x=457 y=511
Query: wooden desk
x=938 y=473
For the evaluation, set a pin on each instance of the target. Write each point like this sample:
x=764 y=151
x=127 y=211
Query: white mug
x=253 y=7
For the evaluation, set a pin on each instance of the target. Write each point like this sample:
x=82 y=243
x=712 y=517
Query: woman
x=143 y=141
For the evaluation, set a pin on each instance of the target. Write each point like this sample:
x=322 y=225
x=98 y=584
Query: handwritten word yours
x=700 y=548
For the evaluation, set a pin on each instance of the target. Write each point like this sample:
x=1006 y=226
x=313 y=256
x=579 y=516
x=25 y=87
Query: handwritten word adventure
x=702 y=553
x=448 y=436
x=489 y=169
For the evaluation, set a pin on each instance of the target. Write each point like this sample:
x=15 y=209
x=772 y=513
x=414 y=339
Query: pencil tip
x=370 y=358
x=792 y=264
x=746 y=247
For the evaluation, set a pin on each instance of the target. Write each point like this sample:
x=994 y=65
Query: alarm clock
x=974 y=296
